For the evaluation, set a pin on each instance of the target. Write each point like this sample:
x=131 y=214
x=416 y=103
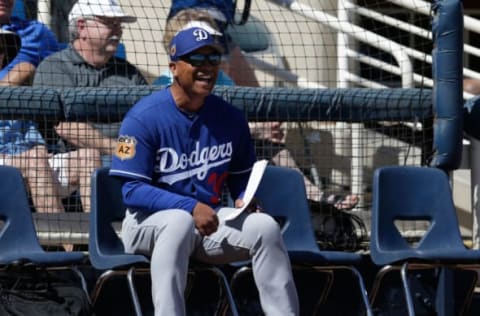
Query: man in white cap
x=95 y=28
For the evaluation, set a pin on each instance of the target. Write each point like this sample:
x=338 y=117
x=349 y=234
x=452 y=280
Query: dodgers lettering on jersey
x=183 y=154
x=174 y=167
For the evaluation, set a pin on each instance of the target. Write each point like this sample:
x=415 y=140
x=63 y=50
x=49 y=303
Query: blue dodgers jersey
x=187 y=154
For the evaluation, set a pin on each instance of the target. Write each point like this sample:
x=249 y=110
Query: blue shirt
x=18 y=136
x=37 y=43
x=172 y=159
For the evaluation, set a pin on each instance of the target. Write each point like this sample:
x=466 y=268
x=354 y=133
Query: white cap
x=106 y=8
x=201 y=24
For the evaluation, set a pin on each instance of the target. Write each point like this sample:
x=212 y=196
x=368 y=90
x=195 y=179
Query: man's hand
x=205 y=218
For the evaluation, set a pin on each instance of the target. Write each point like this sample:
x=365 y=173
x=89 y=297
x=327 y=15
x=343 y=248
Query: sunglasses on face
x=198 y=59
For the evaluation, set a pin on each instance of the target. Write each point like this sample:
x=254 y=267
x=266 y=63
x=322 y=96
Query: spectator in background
x=235 y=70
x=89 y=61
x=23 y=45
x=22 y=146
x=96 y=28
x=221 y=12
x=173 y=190
x=37 y=42
x=471 y=86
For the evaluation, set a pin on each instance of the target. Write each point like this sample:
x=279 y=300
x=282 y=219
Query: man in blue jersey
x=176 y=149
x=217 y=16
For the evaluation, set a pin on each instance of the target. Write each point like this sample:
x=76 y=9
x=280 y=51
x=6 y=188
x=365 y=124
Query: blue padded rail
x=28 y=102
x=447 y=66
x=259 y=104
x=263 y=104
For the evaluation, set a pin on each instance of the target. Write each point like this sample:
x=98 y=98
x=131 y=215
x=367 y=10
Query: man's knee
x=176 y=223
x=31 y=161
x=38 y=152
x=175 y=226
x=261 y=224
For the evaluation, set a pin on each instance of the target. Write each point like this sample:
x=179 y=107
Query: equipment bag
x=38 y=293
x=337 y=229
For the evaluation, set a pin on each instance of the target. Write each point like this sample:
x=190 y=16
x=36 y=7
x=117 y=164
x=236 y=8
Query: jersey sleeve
x=133 y=160
x=134 y=152
x=140 y=195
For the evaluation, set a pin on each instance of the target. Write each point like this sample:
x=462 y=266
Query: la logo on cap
x=200 y=35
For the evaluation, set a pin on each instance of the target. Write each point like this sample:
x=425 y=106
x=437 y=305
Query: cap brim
x=217 y=47
x=126 y=18
x=122 y=18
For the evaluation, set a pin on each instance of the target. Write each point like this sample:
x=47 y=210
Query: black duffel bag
x=32 y=292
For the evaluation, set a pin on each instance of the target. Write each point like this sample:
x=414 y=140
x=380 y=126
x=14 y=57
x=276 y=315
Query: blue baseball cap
x=190 y=39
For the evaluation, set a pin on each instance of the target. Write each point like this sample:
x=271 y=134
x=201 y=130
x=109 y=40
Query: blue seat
x=282 y=194
x=106 y=248
x=417 y=194
x=18 y=237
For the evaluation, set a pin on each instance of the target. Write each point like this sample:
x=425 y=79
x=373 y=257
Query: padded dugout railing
x=294 y=106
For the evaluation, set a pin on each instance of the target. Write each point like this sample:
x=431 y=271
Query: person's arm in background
x=21 y=74
x=84 y=135
x=239 y=69
x=37 y=42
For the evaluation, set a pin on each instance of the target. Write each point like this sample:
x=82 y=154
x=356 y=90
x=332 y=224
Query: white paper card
x=252 y=185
